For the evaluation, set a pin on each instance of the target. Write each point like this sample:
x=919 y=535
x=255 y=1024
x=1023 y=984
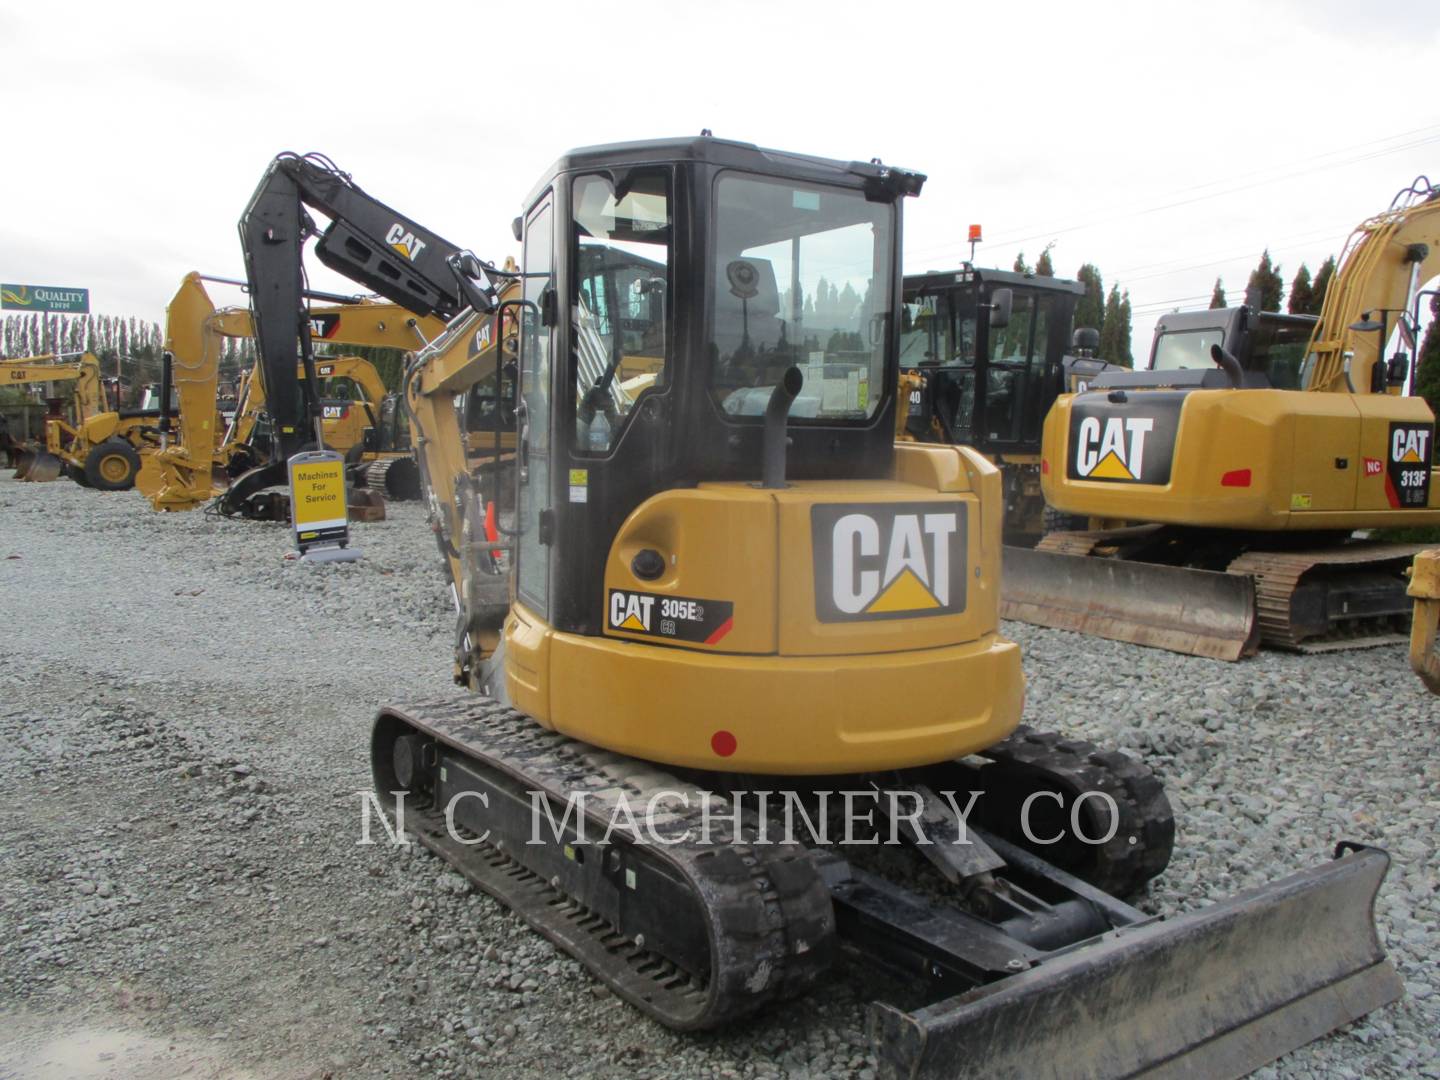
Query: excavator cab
x=707 y=469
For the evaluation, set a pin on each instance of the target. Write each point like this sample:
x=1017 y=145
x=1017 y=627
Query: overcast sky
x=1168 y=143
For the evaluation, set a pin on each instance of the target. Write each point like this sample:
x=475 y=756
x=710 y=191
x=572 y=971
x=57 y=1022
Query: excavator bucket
x=38 y=466
x=1216 y=993
x=1198 y=612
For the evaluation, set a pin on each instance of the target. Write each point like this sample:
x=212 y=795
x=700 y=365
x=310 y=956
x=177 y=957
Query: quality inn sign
x=44 y=298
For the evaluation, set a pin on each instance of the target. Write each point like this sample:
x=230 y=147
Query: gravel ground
x=184 y=717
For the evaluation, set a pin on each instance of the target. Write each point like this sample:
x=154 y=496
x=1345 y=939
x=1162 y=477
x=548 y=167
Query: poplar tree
x=1044 y=267
x=1217 y=298
x=1115 y=334
x=1266 y=277
x=1090 y=308
x=1427 y=377
x=1321 y=284
x=1302 y=293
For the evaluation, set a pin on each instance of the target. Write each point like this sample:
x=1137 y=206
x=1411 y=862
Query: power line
x=1235 y=189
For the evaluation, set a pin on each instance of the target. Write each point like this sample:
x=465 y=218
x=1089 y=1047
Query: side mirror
x=475 y=286
x=1001 y=302
x=517 y=228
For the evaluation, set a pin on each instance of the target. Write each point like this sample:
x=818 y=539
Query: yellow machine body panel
x=1425 y=628
x=1242 y=459
x=815 y=595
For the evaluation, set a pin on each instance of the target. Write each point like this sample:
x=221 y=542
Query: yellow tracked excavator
x=721 y=566
x=1246 y=463
x=359 y=418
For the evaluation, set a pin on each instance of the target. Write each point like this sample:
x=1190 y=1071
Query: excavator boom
x=366 y=241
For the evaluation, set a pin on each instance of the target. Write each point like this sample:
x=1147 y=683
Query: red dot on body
x=723 y=743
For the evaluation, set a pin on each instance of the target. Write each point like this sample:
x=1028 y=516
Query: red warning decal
x=1374 y=466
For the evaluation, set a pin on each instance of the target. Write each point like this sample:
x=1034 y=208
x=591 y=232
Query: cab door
x=534 y=515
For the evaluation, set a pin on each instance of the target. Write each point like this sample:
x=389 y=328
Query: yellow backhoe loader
x=722 y=566
x=1251 y=470
x=38 y=463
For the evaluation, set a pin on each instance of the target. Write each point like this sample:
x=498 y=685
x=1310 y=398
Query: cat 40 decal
x=888 y=560
x=1131 y=441
x=1407 y=476
x=677 y=618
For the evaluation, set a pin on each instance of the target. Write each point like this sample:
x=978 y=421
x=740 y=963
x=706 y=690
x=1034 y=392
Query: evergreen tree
x=1320 y=285
x=1044 y=267
x=1020 y=267
x=1090 y=308
x=1302 y=294
x=1112 y=348
x=1266 y=278
x=1123 y=334
x=1427 y=378
x=1217 y=298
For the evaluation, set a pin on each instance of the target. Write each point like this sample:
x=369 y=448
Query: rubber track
x=1278 y=574
x=772 y=927
x=1145 y=838
x=377 y=477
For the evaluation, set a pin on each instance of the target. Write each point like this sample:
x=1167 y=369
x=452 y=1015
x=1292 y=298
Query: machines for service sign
x=317 y=501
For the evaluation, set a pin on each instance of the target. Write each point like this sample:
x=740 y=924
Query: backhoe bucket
x=1216 y=993
x=1198 y=612
x=38 y=466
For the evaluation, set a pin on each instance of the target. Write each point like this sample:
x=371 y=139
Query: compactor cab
x=712 y=509
x=986 y=353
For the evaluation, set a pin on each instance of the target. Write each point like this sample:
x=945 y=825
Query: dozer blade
x=1198 y=612
x=1216 y=993
x=39 y=467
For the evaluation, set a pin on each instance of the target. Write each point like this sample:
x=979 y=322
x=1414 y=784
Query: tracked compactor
x=731 y=592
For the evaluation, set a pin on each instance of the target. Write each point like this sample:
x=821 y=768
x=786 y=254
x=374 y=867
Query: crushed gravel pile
x=184 y=720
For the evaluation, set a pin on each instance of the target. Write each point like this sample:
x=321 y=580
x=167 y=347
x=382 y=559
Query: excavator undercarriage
x=696 y=906
x=1215 y=594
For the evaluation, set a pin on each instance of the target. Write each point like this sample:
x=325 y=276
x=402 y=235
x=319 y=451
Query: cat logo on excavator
x=1116 y=452
x=405 y=242
x=1407 y=480
x=888 y=560
x=1127 y=441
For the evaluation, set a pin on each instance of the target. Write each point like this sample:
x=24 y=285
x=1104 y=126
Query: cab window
x=801 y=276
x=1178 y=350
x=925 y=337
x=620 y=311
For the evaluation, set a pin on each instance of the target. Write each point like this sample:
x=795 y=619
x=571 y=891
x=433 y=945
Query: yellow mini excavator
x=732 y=597
x=1251 y=461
